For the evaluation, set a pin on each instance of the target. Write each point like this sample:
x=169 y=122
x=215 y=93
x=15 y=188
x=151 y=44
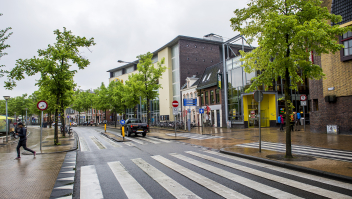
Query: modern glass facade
x=243 y=109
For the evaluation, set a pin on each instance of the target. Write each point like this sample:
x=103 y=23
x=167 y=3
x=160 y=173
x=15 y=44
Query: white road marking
x=69 y=167
x=69 y=178
x=68 y=172
x=276 y=193
x=129 y=144
x=97 y=143
x=65 y=187
x=148 y=140
x=130 y=186
x=156 y=139
x=90 y=186
x=287 y=171
x=165 y=181
x=204 y=181
x=83 y=144
x=114 y=144
x=279 y=179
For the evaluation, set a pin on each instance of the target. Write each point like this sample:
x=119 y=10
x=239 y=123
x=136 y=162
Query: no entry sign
x=175 y=103
x=42 y=105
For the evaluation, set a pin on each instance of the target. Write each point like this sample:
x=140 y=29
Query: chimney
x=213 y=37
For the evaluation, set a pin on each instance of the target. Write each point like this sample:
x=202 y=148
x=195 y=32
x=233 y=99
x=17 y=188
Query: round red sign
x=42 y=105
x=175 y=103
x=303 y=97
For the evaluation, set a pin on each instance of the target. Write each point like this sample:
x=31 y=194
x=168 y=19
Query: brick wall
x=195 y=57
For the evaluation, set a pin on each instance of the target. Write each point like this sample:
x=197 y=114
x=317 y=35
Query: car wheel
x=144 y=134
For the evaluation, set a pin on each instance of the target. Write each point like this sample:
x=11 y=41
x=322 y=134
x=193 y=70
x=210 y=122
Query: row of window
x=195 y=46
x=203 y=60
x=347 y=42
x=204 y=97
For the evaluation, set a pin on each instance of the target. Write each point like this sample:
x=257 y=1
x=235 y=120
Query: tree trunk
x=115 y=118
x=49 y=120
x=63 y=122
x=79 y=118
x=56 y=134
x=287 y=103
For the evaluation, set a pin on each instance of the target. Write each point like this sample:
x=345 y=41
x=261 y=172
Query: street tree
x=132 y=93
x=103 y=101
x=287 y=32
x=4 y=35
x=54 y=66
x=77 y=104
x=147 y=78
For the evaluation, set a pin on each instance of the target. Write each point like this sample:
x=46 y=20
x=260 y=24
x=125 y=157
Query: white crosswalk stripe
x=194 y=136
x=279 y=179
x=130 y=186
x=129 y=144
x=148 y=140
x=304 y=150
x=160 y=140
x=276 y=193
x=286 y=171
x=165 y=181
x=90 y=187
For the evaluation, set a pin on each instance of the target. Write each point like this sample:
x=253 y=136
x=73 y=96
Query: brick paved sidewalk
x=32 y=177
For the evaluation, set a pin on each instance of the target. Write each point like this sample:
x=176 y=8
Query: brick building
x=331 y=98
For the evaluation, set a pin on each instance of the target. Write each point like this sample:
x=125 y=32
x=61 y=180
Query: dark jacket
x=22 y=133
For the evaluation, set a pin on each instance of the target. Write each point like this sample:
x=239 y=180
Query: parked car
x=73 y=124
x=57 y=124
x=135 y=126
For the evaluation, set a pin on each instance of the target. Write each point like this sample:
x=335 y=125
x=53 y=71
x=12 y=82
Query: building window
x=117 y=73
x=315 y=105
x=191 y=95
x=201 y=100
x=129 y=69
x=206 y=98
x=347 y=42
x=212 y=97
x=217 y=93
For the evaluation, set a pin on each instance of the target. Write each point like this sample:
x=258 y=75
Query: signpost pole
x=175 y=125
x=41 y=132
x=202 y=124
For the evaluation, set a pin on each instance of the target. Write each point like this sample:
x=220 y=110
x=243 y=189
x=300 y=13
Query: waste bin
x=302 y=120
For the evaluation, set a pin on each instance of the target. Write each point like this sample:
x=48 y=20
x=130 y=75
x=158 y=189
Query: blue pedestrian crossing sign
x=201 y=110
x=122 y=122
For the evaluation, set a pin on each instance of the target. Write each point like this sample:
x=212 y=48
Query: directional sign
x=189 y=102
x=175 y=103
x=201 y=110
x=42 y=105
x=122 y=122
x=303 y=97
x=175 y=111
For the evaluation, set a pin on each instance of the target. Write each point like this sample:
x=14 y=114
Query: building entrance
x=252 y=113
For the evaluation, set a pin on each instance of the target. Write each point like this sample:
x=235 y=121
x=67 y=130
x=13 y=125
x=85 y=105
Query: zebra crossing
x=195 y=136
x=248 y=177
x=304 y=150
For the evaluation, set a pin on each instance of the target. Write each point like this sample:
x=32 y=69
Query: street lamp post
x=26 y=116
x=7 y=122
x=15 y=118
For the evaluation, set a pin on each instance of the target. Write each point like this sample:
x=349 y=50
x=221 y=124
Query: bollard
x=105 y=128
x=123 y=132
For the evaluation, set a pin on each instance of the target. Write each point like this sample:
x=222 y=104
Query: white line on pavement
x=168 y=183
x=90 y=187
x=130 y=186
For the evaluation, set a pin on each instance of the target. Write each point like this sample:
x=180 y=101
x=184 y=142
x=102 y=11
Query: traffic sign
x=175 y=111
x=42 y=105
x=201 y=110
x=303 y=97
x=258 y=96
x=189 y=102
x=175 y=103
x=122 y=122
x=303 y=103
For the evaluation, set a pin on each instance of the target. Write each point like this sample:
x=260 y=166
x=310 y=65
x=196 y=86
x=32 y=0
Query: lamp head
x=120 y=61
x=6 y=97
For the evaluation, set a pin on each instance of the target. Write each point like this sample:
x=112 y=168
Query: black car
x=135 y=126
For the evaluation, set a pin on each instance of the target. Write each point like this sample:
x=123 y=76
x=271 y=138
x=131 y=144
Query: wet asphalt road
x=154 y=168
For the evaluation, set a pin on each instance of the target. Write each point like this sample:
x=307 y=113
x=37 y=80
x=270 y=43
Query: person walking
x=21 y=132
x=282 y=123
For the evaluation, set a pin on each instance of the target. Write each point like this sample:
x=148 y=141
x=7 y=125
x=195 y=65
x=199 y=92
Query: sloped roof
x=209 y=77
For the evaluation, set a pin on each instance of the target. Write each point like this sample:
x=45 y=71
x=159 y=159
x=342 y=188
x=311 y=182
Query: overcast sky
x=122 y=29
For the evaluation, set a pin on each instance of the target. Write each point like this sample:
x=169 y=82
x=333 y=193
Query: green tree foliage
x=4 y=35
x=132 y=92
x=103 y=100
x=86 y=100
x=147 y=78
x=77 y=104
x=287 y=31
x=54 y=66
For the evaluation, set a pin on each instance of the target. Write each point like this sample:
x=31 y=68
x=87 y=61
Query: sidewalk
x=231 y=137
x=32 y=177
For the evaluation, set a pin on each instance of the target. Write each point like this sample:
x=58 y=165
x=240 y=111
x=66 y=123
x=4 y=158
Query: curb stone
x=291 y=166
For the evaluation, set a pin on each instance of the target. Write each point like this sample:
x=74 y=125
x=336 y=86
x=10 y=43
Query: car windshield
x=135 y=121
